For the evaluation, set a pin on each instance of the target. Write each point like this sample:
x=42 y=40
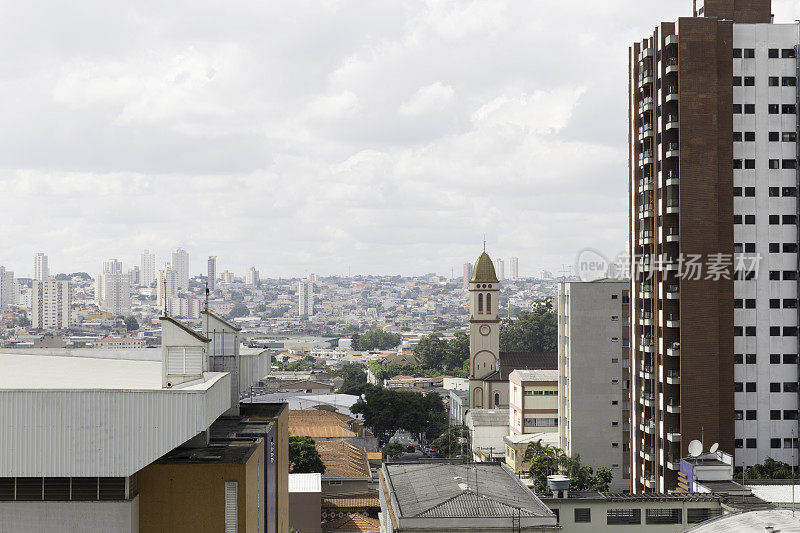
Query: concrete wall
x=64 y=517
x=305 y=512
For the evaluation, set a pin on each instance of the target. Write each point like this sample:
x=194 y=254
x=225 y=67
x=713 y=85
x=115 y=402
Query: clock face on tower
x=484 y=330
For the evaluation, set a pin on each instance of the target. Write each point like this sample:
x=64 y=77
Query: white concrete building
x=514 y=267
x=305 y=298
x=211 y=275
x=148 y=268
x=113 y=289
x=167 y=288
x=180 y=264
x=252 y=277
x=500 y=269
x=41 y=269
x=593 y=400
x=532 y=401
x=8 y=288
x=50 y=304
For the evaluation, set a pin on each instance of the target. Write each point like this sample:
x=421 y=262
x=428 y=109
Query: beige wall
x=305 y=512
x=191 y=497
x=347 y=487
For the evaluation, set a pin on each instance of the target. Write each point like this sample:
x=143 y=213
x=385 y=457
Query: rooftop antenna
x=484 y=242
x=207 y=291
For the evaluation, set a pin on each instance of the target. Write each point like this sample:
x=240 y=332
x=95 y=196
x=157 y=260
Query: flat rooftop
x=53 y=372
x=228 y=451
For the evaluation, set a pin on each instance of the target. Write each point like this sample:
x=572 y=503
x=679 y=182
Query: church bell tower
x=484 y=331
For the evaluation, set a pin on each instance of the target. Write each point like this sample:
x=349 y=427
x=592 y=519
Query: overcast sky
x=317 y=136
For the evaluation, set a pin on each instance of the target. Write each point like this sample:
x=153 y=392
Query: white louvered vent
x=231 y=506
x=184 y=361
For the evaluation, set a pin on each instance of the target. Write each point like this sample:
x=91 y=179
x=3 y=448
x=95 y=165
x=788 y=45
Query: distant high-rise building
x=8 y=288
x=148 y=268
x=41 y=270
x=305 y=298
x=252 y=277
x=713 y=231
x=113 y=289
x=180 y=264
x=167 y=288
x=500 y=269
x=50 y=304
x=514 y=267
x=226 y=276
x=467 y=274
x=545 y=275
x=135 y=276
x=211 y=276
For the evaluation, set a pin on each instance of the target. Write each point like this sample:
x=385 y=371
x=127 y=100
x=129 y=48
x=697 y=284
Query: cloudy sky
x=317 y=135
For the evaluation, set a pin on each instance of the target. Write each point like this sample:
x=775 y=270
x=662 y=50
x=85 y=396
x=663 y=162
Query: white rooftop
x=53 y=372
x=775 y=493
x=305 y=482
x=547 y=437
x=537 y=375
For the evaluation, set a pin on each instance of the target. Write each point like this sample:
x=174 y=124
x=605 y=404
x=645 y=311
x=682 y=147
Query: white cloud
x=428 y=99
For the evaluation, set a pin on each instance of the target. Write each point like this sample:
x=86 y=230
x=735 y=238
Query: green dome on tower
x=484 y=270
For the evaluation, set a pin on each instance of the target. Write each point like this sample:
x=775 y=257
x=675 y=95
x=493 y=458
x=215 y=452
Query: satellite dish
x=695 y=448
x=714 y=447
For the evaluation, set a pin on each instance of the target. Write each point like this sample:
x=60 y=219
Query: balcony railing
x=674 y=350
x=671 y=234
x=671 y=122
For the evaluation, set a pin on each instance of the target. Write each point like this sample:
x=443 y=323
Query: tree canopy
x=532 y=331
x=394 y=449
x=375 y=339
x=454 y=442
x=304 y=457
x=239 y=310
x=546 y=460
x=435 y=352
x=386 y=411
x=770 y=469
x=355 y=380
x=131 y=324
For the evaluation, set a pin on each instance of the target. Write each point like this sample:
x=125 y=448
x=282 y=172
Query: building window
x=789 y=81
x=749 y=109
x=773 y=53
x=480 y=303
x=738 y=415
x=751 y=443
x=774 y=81
x=737 y=52
x=231 y=506
x=750 y=414
x=737 y=359
x=618 y=517
x=751 y=359
x=775 y=414
x=749 y=53
x=750 y=386
x=737 y=443
x=789 y=358
x=788 y=53
x=775 y=386
x=488 y=303
x=774 y=443
x=663 y=516
x=583 y=514
x=695 y=516
x=749 y=81
x=789 y=386
x=789 y=109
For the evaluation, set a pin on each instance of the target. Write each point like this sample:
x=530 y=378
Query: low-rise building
x=533 y=401
x=305 y=502
x=423 y=497
x=517 y=445
x=111 y=343
x=487 y=428
x=346 y=480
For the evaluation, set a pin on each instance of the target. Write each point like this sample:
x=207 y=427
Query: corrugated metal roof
x=537 y=375
x=487 y=417
x=305 y=482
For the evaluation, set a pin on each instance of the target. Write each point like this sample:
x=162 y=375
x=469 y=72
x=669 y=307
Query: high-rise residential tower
x=514 y=267
x=113 y=289
x=211 y=276
x=467 y=274
x=8 y=288
x=180 y=264
x=148 y=268
x=500 y=269
x=713 y=230
x=41 y=270
x=167 y=288
x=50 y=304
x=252 y=277
x=305 y=298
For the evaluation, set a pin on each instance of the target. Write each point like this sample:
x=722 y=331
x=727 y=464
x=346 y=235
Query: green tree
x=239 y=310
x=375 y=339
x=769 y=469
x=431 y=351
x=386 y=411
x=304 y=457
x=23 y=322
x=546 y=460
x=260 y=308
x=457 y=352
x=454 y=442
x=531 y=331
x=355 y=380
x=394 y=449
x=131 y=324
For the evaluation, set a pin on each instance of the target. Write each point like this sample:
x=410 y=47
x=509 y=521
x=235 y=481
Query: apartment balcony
x=670 y=40
x=646 y=372
x=645 y=237
x=644 y=266
x=646 y=78
x=671 y=179
x=672 y=207
x=645 y=132
x=668 y=263
x=648 y=426
x=646 y=291
x=671 y=150
x=645 y=185
x=671 y=93
x=646 y=158
x=673 y=292
x=646 y=105
x=674 y=435
x=673 y=377
x=647 y=399
x=673 y=320
x=671 y=64
x=674 y=463
x=674 y=350
x=647 y=345
x=645 y=318
x=673 y=406
x=646 y=211
x=671 y=122
x=647 y=453
x=671 y=235
x=645 y=53
x=648 y=480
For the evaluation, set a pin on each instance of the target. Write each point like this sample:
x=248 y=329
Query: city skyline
x=338 y=163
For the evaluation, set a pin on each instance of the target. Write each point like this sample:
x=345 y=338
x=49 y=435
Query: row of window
x=772 y=53
x=774 y=358
x=774 y=414
x=624 y=517
x=772 y=109
x=775 y=386
x=774 y=192
x=774 y=136
x=541 y=422
x=774 y=164
x=541 y=393
x=750 y=220
x=773 y=443
x=774 y=331
x=774 y=303
x=774 y=81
